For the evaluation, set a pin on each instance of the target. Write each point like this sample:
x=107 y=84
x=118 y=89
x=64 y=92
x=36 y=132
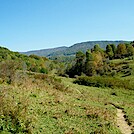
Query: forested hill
x=45 y=52
x=31 y=63
x=69 y=51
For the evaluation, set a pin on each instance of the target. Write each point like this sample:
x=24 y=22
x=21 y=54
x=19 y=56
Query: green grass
x=41 y=104
x=106 y=96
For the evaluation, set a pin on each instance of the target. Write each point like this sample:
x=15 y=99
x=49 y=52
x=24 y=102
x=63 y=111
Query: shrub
x=14 y=117
x=110 y=82
x=8 y=70
x=43 y=70
x=56 y=82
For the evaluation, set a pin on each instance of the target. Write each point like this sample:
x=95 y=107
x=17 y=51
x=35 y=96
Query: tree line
x=96 y=60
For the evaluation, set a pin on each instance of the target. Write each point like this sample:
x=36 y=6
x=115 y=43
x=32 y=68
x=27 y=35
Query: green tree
x=130 y=50
x=77 y=66
x=113 y=48
x=80 y=59
x=89 y=64
x=97 y=48
x=109 y=51
x=132 y=43
x=121 y=50
x=89 y=56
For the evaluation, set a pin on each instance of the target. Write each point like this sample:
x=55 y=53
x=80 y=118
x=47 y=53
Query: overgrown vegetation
x=104 y=82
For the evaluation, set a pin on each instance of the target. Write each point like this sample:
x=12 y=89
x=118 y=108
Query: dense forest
x=74 y=94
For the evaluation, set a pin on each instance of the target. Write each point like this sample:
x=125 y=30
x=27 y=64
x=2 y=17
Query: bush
x=110 y=82
x=14 y=116
x=8 y=70
x=51 y=80
x=43 y=70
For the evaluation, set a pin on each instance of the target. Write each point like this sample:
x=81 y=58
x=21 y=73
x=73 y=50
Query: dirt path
x=122 y=124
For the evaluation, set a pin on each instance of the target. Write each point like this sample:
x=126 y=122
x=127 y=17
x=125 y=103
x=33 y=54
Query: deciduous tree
x=121 y=50
x=109 y=51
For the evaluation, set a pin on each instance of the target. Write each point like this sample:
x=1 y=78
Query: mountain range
x=70 y=51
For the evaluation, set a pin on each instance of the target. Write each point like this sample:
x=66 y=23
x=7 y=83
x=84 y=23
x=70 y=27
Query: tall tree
x=121 y=50
x=80 y=60
x=89 y=56
x=130 y=50
x=97 y=48
x=89 y=64
x=98 y=59
x=109 y=51
x=113 y=48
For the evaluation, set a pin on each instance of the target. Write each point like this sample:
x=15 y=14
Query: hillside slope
x=30 y=63
x=45 y=52
x=69 y=51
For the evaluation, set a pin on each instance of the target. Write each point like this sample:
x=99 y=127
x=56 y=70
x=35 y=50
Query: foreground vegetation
x=45 y=104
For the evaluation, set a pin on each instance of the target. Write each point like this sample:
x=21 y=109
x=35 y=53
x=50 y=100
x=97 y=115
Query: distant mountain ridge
x=69 y=51
x=45 y=52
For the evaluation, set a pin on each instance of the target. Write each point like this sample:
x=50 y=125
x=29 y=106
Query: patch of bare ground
x=122 y=124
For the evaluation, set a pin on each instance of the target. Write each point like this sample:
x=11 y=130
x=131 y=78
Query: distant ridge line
x=69 y=51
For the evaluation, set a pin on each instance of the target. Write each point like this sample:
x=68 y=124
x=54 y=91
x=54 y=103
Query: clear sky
x=39 y=24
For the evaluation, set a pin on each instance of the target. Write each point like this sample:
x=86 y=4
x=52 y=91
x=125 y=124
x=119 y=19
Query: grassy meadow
x=44 y=104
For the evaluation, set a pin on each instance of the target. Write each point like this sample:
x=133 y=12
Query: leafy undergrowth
x=99 y=81
x=46 y=104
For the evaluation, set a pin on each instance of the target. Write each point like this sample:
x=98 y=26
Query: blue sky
x=39 y=24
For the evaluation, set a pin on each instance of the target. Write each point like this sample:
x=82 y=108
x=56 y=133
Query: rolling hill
x=45 y=52
x=69 y=51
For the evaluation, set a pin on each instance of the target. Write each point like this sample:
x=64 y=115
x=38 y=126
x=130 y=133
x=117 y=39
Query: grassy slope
x=41 y=107
x=36 y=107
x=41 y=104
x=105 y=97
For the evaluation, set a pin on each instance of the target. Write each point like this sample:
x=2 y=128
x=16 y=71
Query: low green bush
x=51 y=80
x=98 y=81
x=14 y=116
